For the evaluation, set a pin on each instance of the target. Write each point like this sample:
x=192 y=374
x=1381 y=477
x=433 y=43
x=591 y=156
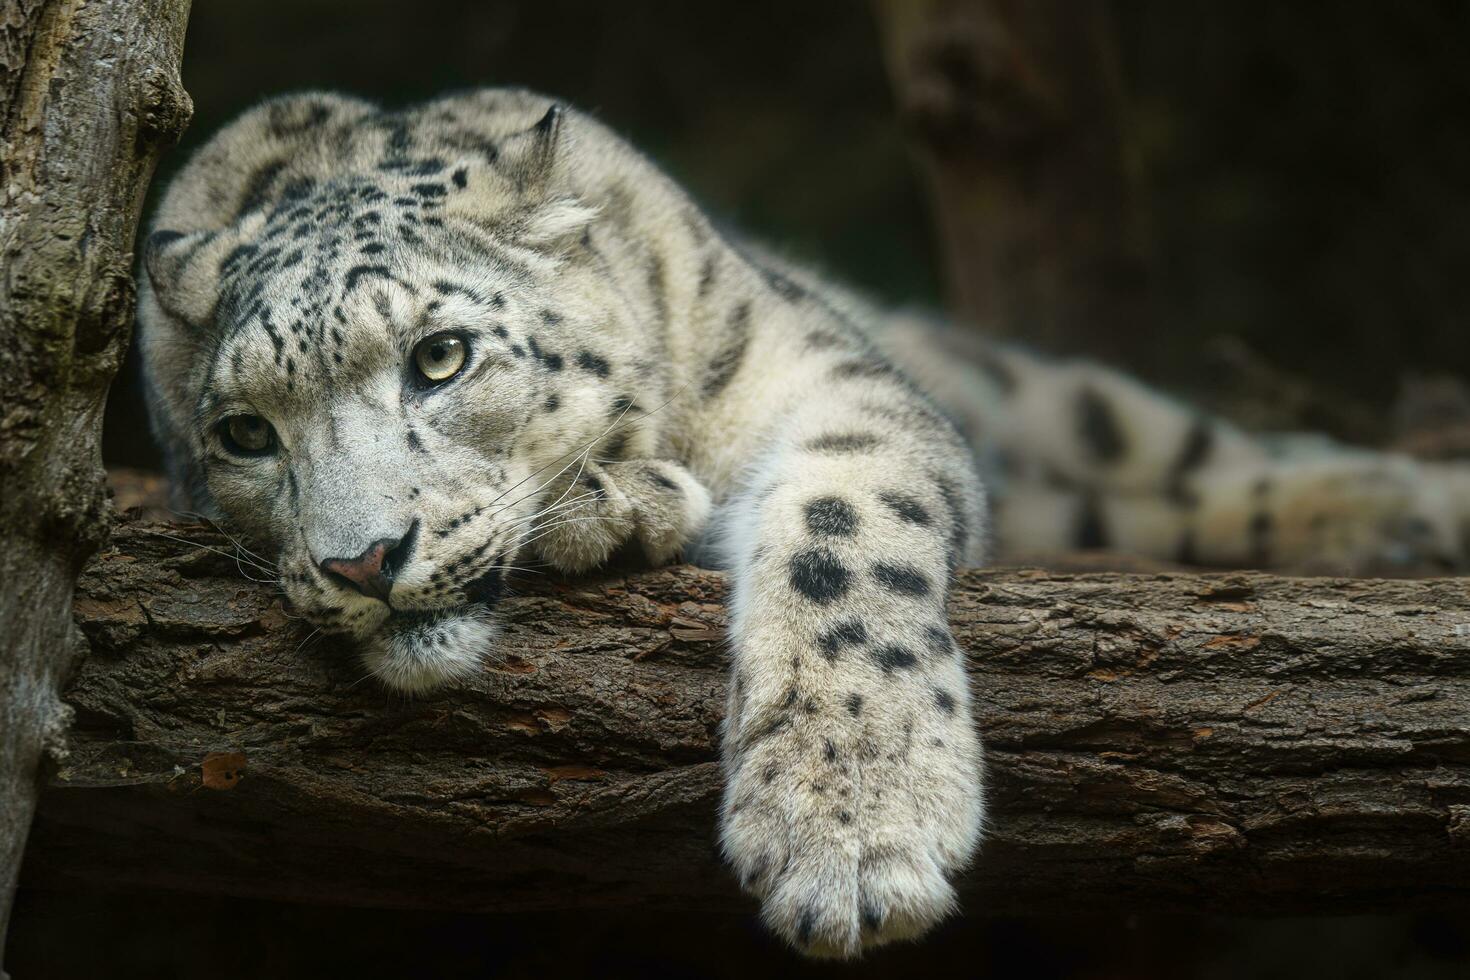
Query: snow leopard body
x=631 y=375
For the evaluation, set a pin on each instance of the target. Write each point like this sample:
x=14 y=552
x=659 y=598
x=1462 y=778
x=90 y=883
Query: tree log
x=1222 y=742
x=89 y=96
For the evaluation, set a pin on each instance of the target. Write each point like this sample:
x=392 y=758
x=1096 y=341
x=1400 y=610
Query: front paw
x=657 y=503
x=849 y=833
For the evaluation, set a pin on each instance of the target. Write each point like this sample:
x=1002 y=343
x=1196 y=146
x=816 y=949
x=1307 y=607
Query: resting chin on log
x=1236 y=742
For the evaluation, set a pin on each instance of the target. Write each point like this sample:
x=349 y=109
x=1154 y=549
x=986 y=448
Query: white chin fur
x=420 y=655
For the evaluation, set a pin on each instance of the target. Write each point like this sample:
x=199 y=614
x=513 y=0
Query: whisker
x=238 y=560
x=233 y=540
x=309 y=637
x=585 y=447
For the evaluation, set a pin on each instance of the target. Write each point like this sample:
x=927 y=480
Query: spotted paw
x=848 y=821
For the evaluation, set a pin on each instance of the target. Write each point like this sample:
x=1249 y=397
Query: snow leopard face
x=385 y=388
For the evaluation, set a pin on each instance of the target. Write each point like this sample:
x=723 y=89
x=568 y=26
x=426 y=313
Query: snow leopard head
x=379 y=364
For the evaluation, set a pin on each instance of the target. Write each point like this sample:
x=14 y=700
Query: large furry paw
x=595 y=509
x=848 y=819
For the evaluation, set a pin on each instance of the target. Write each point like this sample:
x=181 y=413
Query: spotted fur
x=1077 y=456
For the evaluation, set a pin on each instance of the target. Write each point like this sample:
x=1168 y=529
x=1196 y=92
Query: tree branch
x=1241 y=742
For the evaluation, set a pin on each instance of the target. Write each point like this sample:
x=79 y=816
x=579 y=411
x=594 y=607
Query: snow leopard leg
x=852 y=764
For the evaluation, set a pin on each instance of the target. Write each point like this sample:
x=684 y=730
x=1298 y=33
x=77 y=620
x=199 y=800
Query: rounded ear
x=184 y=270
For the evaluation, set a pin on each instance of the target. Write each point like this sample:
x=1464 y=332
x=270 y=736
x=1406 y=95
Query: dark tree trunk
x=89 y=95
x=1017 y=111
x=1223 y=742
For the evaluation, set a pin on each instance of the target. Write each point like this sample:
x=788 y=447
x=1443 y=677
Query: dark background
x=1306 y=172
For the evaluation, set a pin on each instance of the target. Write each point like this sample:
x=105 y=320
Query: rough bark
x=89 y=94
x=1015 y=108
x=1240 y=741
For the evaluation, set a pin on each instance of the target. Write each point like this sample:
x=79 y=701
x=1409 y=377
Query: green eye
x=247 y=435
x=440 y=357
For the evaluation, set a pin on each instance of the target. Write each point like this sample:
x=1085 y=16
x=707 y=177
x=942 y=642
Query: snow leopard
x=411 y=350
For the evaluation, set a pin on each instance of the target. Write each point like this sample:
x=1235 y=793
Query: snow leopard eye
x=440 y=357
x=247 y=435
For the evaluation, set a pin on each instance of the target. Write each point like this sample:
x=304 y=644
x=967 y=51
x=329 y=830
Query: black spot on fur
x=1198 y=445
x=461 y=178
x=903 y=579
x=817 y=574
x=944 y=700
x=805 y=925
x=706 y=276
x=831 y=517
x=783 y=286
x=552 y=362
x=843 y=442
x=1092 y=531
x=1261 y=527
x=1185 y=553
x=621 y=406
x=257 y=190
x=298 y=189
x=229 y=262
x=446 y=288
x=893 y=657
x=959 y=531
x=426 y=167
x=294 y=116
x=998 y=371
x=593 y=363
x=1098 y=428
x=824 y=340
x=854 y=704
x=594 y=484
x=616 y=447
x=359 y=272
x=907 y=508
x=829 y=751
x=552 y=403
x=862 y=369
x=726 y=363
x=848 y=633
x=938 y=639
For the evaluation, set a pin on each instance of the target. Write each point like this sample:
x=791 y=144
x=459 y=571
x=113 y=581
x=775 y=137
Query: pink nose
x=370 y=573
